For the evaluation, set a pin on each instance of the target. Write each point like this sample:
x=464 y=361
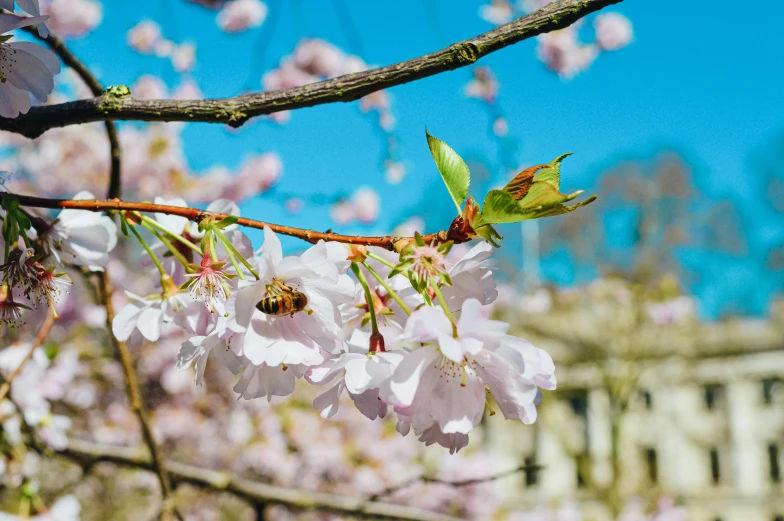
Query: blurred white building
x=699 y=410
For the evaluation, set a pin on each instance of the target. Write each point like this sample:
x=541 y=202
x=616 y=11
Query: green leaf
x=552 y=173
x=500 y=207
x=226 y=221
x=452 y=168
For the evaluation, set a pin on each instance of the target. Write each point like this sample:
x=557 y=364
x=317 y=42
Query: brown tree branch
x=195 y=214
x=87 y=454
x=39 y=339
x=68 y=58
x=137 y=403
x=237 y=110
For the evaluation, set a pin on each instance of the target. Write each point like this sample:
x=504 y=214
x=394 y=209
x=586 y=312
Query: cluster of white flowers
x=32 y=271
x=409 y=334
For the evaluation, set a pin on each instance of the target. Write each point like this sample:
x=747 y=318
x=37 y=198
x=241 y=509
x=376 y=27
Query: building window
x=652 y=464
x=774 y=463
x=770 y=387
x=531 y=471
x=715 y=466
x=714 y=396
x=647 y=399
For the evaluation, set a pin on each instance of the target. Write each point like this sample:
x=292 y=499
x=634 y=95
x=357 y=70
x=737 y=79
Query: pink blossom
x=73 y=18
x=143 y=36
x=239 y=15
x=319 y=58
x=258 y=173
x=149 y=87
x=183 y=57
x=613 y=31
x=394 y=172
x=187 y=90
x=366 y=204
x=563 y=53
x=498 y=12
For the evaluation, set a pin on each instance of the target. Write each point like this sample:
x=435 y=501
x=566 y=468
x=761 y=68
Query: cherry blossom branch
x=58 y=46
x=137 y=403
x=237 y=110
x=39 y=339
x=87 y=454
x=195 y=214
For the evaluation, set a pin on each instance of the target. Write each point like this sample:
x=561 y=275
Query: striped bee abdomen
x=283 y=303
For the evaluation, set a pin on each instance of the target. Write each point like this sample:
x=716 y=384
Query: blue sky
x=704 y=82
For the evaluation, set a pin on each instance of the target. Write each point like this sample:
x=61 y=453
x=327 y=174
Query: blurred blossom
x=394 y=172
x=294 y=205
x=342 y=212
x=73 y=18
x=258 y=173
x=183 y=57
x=319 y=58
x=483 y=86
x=497 y=12
x=164 y=48
x=408 y=227
x=613 y=31
x=366 y=204
x=239 y=15
x=563 y=53
x=500 y=127
x=143 y=36
x=149 y=87
x=188 y=89
x=530 y=6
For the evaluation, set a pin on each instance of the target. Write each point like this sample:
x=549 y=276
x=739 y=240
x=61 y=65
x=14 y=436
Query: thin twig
x=58 y=46
x=137 y=403
x=87 y=453
x=97 y=205
x=237 y=110
x=39 y=339
x=459 y=483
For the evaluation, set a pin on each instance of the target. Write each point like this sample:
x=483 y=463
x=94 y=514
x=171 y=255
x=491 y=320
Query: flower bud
x=377 y=342
x=357 y=253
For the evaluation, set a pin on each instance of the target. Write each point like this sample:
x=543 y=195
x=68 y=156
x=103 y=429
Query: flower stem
x=155 y=224
x=388 y=289
x=230 y=248
x=166 y=242
x=363 y=281
x=211 y=241
x=232 y=258
x=146 y=248
x=380 y=259
x=440 y=297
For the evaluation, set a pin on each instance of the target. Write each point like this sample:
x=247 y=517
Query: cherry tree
x=395 y=326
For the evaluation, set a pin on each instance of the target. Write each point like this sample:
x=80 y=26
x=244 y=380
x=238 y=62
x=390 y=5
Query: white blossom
x=443 y=382
x=320 y=274
x=239 y=15
x=25 y=68
x=81 y=237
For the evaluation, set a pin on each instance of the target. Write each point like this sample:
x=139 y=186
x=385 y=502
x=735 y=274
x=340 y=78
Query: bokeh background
x=661 y=302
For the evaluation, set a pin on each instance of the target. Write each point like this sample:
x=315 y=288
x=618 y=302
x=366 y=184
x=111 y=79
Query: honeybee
x=283 y=300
